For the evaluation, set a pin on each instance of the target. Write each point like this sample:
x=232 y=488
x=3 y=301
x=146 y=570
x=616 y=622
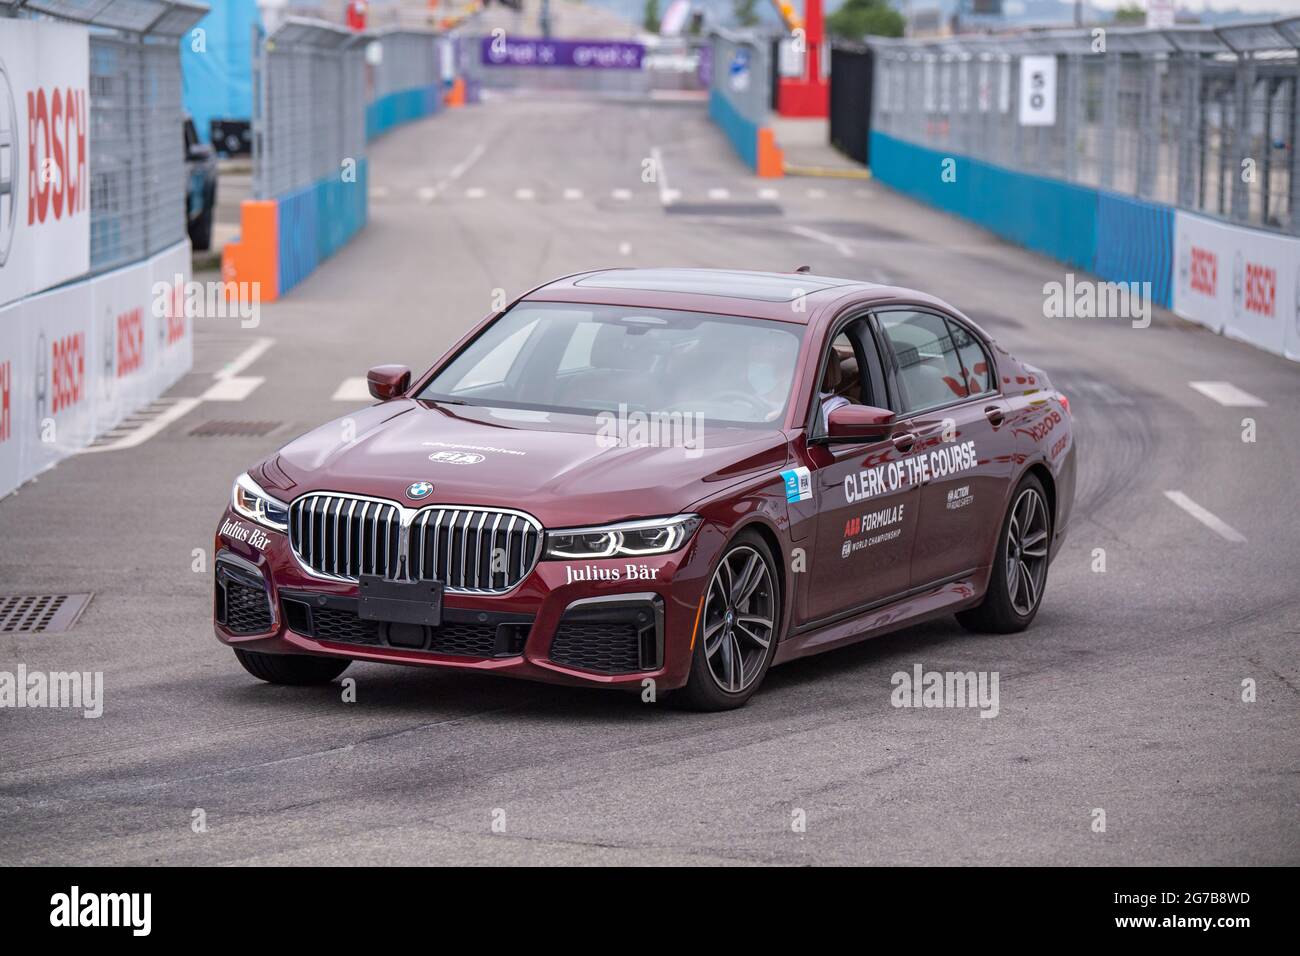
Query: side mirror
x=858 y=423
x=388 y=381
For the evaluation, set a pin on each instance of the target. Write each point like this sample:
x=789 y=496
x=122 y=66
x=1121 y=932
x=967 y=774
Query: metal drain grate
x=233 y=428
x=40 y=613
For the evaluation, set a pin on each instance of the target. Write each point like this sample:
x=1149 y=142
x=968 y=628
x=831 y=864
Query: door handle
x=904 y=442
x=994 y=414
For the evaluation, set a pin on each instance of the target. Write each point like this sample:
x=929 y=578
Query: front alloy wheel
x=738 y=627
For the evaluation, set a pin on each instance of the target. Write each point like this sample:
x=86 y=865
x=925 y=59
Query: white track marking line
x=1210 y=520
x=228 y=386
x=807 y=233
x=625 y=248
x=1225 y=393
x=719 y=193
x=474 y=192
x=139 y=436
x=816 y=194
x=572 y=194
x=524 y=193
x=667 y=196
x=769 y=193
x=244 y=359
x=426 y=193
x=621 y=194
x=461 y=168
x=232 y=388
x=352 y=390
x=378 y=192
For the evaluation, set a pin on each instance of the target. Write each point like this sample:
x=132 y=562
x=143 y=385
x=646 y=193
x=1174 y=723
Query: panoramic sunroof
x=760 y=286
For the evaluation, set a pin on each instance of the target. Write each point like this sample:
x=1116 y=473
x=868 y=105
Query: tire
x=715 y=682
x=201 y=228
x=1007 y=606
x=298 y=670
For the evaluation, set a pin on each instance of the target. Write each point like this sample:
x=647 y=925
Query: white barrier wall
x=45 y=132
x=77 y=360
x=1244 y=283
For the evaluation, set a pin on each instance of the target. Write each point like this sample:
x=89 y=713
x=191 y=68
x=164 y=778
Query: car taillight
x=1065 y=403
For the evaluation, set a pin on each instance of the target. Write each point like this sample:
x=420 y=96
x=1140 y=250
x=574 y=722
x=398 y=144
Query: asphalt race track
x=1125 y=696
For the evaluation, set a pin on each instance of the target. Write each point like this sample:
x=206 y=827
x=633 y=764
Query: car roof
x=764 y=295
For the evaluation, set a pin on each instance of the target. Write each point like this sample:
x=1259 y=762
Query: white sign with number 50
x=1038 y=91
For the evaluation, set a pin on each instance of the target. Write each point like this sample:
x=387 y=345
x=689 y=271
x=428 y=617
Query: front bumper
x=608 y=622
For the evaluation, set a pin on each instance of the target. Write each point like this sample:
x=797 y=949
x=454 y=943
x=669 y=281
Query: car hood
x=565 y=470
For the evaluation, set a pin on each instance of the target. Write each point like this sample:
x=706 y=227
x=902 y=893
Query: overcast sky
x=1268 y=6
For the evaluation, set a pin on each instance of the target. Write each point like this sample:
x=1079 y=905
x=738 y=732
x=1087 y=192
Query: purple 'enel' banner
x=585 y=54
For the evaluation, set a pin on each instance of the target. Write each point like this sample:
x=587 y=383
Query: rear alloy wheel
x=1019 y=574
x=296 y=669
x=737 y=630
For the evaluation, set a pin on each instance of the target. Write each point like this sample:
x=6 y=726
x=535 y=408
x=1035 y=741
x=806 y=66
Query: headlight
x=256 y=505
x=629 y=539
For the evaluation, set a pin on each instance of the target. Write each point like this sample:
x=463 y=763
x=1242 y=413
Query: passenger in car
x=828 y=394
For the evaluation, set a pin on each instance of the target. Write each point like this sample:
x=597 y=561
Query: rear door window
x=974 y=360
x=929 y=370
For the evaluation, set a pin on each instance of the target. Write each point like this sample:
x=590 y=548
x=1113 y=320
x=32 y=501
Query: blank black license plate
x=400 y=602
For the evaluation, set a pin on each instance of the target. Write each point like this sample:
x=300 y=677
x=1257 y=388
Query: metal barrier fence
x=137 y=158
x=408 y=60
x=312 y=84
x=309 y=105
x=94 y=257
x=742 y=73
x=740 y=98
x=1201 y=118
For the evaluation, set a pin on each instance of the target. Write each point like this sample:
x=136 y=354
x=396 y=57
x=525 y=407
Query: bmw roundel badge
x=419 y=489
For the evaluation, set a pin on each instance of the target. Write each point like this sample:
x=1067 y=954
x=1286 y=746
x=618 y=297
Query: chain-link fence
x=136 y=128
x=309 y=105
x=314 y=84
x=407 y=60
x=1200 y=118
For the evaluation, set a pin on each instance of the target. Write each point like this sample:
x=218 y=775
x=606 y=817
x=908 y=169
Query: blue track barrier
x=742 y=133
x=1116 y=237
x=403 y=106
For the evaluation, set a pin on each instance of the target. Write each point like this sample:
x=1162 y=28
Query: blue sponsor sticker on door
x=798 y=484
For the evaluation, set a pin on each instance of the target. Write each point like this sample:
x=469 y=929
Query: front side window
x=930 y=372
x=589 y=359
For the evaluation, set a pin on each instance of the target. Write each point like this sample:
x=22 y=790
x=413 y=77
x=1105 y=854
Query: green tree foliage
x=746 y=15
x=858 y=18
x=650 y=19
x=1131 y=14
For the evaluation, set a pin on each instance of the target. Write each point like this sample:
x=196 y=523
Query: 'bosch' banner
x=44 y=156
x=1244 y=283
x=76 y=360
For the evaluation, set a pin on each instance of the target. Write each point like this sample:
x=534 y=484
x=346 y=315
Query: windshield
x=589 y=359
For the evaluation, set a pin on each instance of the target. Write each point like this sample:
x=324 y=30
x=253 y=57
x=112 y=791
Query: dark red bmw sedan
x=657 y=478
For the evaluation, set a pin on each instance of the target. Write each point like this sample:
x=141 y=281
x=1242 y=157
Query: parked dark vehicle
x=200 y=187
